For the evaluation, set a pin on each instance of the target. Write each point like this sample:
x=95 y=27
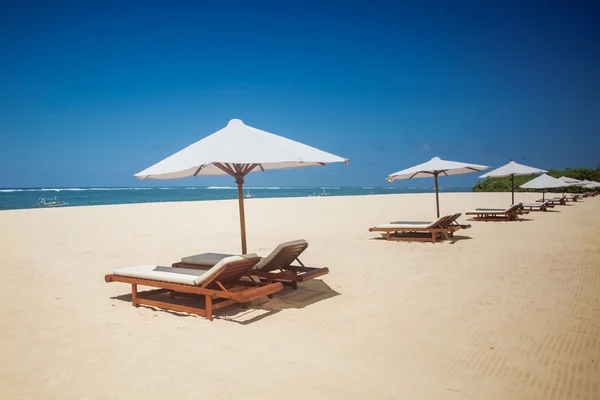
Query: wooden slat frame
x=434 y=232
x=280 y=269
x=225 y=286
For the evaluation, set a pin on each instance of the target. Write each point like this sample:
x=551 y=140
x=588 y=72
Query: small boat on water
x=248 y=195
x=50 y=202
x=323 y=193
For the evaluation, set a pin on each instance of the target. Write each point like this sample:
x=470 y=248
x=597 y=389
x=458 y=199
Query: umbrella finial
x=235 y=121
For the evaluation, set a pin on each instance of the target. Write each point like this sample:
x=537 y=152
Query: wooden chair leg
x=134 y=296
x=209 y=315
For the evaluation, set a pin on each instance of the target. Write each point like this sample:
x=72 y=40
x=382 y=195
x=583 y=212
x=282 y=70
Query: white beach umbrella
x=237 y=150
x=571 y=181
x=544 y=182
x=591 y=184
x=433 y=168
x=512 y=169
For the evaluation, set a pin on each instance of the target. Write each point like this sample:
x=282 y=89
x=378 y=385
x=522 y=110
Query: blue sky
x=93 y=92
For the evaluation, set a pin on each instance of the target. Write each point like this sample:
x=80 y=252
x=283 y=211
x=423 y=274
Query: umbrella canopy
x=590 y=184
x=237 y=150
x=512 y=169
x=544 y=182
x=433 y=168
x=571 y=181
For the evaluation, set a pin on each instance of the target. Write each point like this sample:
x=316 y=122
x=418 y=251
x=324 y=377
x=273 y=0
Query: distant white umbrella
x=237 y=150
x=544 y=182
x=433 y=168
x=590 y=184
x=512 y=169
x=571 y=181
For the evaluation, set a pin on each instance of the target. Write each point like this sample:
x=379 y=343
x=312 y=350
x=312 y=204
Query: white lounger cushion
x=210 y=259
x=266 y=260
x=514 y=207
x=535 y=204
x=411 y=224
x=174 y=275
x=403 y=226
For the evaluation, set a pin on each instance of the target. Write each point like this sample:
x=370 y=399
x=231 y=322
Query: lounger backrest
x=282 y=256
x=228 y=270
x=514 y=208
x=451 y=219
x=441 y=222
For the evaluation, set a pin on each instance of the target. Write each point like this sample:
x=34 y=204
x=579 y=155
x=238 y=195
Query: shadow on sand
x=521 y=219
x=415 y=239
x=307 y=293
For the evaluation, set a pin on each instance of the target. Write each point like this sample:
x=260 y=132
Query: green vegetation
x=503 y=184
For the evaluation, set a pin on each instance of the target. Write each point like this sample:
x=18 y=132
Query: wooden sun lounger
x=492 y=214
x=556 y=201
x=276 y=267
x=573 y=197
x=452 y=221
x=444 y=227
x=220 y=286
x=538 y=206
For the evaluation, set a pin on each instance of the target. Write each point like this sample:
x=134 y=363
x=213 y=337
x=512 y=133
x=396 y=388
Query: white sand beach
x=507 y=310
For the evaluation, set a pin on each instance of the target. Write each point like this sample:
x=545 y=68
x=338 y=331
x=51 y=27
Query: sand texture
x=504 y=311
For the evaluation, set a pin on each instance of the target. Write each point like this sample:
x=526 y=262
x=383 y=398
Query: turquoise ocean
x=18 y=198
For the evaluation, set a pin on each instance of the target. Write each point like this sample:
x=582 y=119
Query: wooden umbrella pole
x=512 y=185
x=239 y=179
x=437 y=198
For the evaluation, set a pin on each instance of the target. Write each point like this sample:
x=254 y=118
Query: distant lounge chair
x=543 y=206
x=497 y=214
x=421 y=230
x=573 y=197
x=555 y=201
x=221 y=285
x=276 y=267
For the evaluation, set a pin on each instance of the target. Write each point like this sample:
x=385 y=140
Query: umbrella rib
x=249 y=168
x=225 y=168
x=238 y=168
x=198 y=170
